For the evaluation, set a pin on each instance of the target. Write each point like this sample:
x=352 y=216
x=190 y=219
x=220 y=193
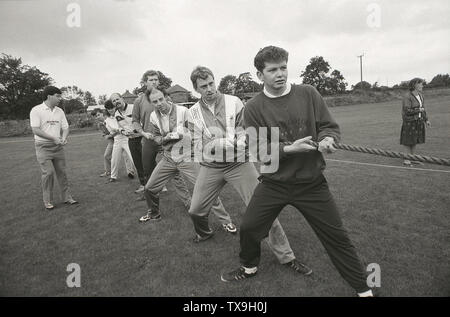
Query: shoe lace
x=297 y=266
x=239 y=274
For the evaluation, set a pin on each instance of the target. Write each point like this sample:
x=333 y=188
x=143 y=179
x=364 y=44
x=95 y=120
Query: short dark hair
x=50 y=91
x=413 y=82
x=108 y=104
x=270 y=54
x=200 y=72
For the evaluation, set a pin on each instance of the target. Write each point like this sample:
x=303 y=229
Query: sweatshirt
x=141 y=114
x=300 y=113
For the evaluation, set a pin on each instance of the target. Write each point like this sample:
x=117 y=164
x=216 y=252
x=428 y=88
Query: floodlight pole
x=360 y=65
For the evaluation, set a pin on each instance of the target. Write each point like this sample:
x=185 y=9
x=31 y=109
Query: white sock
x=366 y=294
x=250 y=270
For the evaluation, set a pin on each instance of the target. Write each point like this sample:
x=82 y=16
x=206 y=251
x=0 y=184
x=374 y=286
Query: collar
x=47 y=107
x=169 y=112
x=124 y=108
x=419 y=94
x=286 y=91
x=205 y=104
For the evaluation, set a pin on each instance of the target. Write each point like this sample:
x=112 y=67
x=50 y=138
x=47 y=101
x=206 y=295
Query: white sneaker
x=140 y=190
x=230 y=227
x=164 y=189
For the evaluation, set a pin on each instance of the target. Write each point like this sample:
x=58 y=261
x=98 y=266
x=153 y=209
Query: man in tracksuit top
x=212 y=122
x=149 y=148
x=302 y=117
x=168 y=128
x=124 y=116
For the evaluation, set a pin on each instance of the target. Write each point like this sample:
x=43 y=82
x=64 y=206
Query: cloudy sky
x=117 y=40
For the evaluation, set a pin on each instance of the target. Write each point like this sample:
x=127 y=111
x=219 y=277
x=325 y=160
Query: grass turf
x=397 y=218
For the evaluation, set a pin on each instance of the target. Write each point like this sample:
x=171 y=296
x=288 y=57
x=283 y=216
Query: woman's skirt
x=413 y=132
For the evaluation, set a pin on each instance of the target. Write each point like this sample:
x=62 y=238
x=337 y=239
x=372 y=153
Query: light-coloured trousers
x=52 y=161
x=107 y=156
x=166 y=169
x=244 y=178
x=120 y=146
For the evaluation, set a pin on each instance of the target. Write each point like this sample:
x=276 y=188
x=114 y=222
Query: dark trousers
x=317 y=205
x=135 y=145
x=149 y=151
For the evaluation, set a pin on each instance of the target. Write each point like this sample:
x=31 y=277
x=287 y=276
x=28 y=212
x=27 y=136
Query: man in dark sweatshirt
x=303 y=119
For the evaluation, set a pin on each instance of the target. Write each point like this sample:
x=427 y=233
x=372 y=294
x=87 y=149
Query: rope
x=414 y=157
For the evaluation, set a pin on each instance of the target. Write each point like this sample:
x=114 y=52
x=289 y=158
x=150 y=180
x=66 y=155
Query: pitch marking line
x=389 y=166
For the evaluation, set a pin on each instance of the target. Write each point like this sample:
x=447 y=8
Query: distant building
x=128 y=97
x=178 y=94
x=90 y=108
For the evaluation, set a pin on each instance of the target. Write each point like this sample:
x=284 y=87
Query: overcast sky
x=120 y=39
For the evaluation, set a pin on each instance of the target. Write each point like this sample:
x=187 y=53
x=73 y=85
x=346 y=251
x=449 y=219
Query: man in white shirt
x=47 y=121
x=120 y=144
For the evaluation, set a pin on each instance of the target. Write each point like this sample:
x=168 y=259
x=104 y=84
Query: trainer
x=47 y=121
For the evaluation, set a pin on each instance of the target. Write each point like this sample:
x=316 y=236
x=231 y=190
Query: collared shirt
x=419 y=100
x=48 y=120
x=113 y=127
x=124 y=119
x=174 y=121
x=211 y=107
x=215 y=116
x=165 y=120
x=286 y=91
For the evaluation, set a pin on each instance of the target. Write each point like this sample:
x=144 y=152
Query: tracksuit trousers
x=167 y=169
x=317 y=205
x=244 y=178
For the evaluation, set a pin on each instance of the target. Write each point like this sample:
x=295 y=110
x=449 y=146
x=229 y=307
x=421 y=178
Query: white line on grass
x=390 y=166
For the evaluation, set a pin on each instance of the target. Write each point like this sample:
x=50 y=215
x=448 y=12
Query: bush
x=80 y=120
x=15 y=128
x=22 y=127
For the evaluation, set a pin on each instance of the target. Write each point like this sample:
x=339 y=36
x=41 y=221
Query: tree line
x=21 y=86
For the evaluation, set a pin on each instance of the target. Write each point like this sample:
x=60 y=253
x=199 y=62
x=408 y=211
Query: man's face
x=207 y=88
x=54 y=100
x=111 y=111
x=117 y=101
x=152 y=81
x=274 y=75
x=157 y=99
x=99 y=117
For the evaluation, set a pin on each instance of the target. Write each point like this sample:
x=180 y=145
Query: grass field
x=396 y=217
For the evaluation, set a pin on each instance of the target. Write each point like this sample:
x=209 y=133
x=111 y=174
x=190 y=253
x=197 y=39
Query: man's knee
x=47 y=170
x=196 y=209
x=150 y=189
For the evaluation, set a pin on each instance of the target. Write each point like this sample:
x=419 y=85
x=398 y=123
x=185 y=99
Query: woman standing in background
x=414 y=119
